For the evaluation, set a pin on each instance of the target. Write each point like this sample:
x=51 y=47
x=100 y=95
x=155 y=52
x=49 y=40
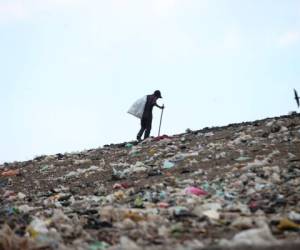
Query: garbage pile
x=218 y=188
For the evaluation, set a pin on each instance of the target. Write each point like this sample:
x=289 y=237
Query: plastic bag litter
x=99 y=245
x=168 y=164
x=9 y=240
x=137 y=109
x=294 y=216
x=212 y=214
x=252 y=237
x=37 y=227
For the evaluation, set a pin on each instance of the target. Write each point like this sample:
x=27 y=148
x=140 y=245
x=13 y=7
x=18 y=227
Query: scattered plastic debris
x=220 y=187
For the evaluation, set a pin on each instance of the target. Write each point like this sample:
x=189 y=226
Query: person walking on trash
x=146 y=120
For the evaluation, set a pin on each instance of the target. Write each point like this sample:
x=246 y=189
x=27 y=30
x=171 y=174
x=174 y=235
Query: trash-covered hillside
x=217 y=188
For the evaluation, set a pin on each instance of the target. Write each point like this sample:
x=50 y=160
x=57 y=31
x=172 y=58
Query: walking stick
x=162 y=111
x=297 y=98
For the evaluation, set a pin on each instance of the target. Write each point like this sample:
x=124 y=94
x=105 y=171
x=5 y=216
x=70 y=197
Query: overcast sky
x=70 y=69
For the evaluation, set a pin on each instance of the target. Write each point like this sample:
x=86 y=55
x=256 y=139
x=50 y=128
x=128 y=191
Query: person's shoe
x=139 y=139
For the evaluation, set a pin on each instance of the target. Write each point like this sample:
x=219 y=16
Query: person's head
x=157 y=94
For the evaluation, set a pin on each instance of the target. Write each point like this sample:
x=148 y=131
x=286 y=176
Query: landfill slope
x=232 y=187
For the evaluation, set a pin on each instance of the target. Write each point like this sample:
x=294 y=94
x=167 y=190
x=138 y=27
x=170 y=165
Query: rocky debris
x=230 y=187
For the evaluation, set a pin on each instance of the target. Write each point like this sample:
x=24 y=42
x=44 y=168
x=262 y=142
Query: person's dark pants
x=146 y=124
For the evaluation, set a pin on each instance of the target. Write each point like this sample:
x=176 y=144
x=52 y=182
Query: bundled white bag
x=137 y=109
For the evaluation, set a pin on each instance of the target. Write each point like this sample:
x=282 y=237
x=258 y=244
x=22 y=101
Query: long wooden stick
x=162 y=111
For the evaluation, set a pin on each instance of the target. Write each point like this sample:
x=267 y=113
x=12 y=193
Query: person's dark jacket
x=151 y=102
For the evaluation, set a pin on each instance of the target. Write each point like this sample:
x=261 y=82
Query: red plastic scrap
x=120 y=186
x=162 y=137
x=253 y=205
x=163 y=205
x=195 y=191
x=117 y=186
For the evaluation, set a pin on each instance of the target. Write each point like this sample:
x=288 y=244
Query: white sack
x=137 y=109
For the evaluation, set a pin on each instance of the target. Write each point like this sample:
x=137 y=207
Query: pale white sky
x=70 y=69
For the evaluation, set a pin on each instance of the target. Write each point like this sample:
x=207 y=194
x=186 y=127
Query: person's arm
x=155 y=104
x=161 y=107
